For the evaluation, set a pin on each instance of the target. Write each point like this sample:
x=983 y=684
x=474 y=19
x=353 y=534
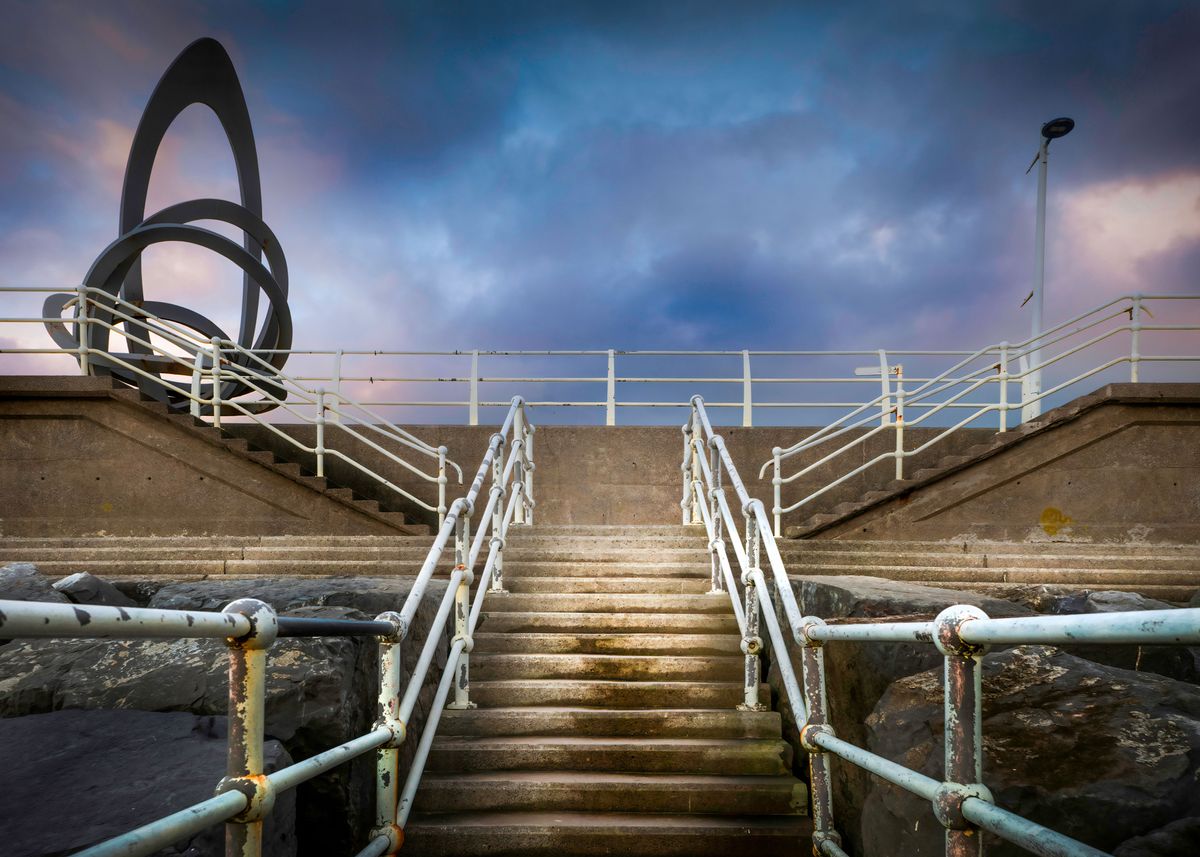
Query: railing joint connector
x=809 y=731
x=394 y=834
x=821 y=837
x=467 y=640
x=264 y=624
x=468 y=576
x=802 y=634
x=751 y=645
x=948 y=627
x=949 y=799
x=259 y=794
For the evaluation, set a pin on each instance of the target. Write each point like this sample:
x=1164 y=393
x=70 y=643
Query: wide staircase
x=607 y=682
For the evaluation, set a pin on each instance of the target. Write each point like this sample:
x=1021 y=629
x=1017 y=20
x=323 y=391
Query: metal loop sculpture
x=202 y=74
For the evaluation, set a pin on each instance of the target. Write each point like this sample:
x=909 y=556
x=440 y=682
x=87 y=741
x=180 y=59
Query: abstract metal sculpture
x=202 y=74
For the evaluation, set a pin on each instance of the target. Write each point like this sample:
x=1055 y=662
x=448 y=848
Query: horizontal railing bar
x=897 y=775
x=303 y=626
x=1021 y=831
x=179 y=826
x=314 y=766
x=883 y=632
x=1154 y=627
x=71 y=621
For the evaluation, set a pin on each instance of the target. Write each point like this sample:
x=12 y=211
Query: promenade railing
x=249 y=627
x=222 y=379
x=960 y=801
x=1082 y=350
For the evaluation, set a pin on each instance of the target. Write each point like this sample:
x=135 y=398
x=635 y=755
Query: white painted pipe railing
x=1090 y=335
x=220 y=365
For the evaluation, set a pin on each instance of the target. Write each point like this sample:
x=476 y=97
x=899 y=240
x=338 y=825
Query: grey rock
x=1195 y=602
x=1178 y=662
x=858 y=674
x=1097 y=753
x=320 y=692
x=96 y=774
x=1107 y=601
x=85 y=588
x=20 y=581
x=1178 y=839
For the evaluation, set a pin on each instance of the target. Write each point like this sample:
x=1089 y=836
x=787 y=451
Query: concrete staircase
x=637 y=567
x=607 y=681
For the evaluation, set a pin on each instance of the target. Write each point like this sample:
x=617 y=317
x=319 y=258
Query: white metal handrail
x=960 y=801
x=376 y=378
x=889 y=410
x=250 y=627
x=226 y=365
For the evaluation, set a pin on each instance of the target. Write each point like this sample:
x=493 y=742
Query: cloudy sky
x=631 y=175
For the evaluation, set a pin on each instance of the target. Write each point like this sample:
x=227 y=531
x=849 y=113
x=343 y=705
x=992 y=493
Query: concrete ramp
x=1119 y=465
x=79 y=456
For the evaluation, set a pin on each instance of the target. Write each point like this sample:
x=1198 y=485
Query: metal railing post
x=885 y=401
x=387 y=774
x=964 y=730
x=85 y=327
x=320 y=446
x=816 y=700
x=197 y=374
x=337 y=383
x=462 y=613
x=1135 y=332
x=899 y=422
x=473 y=410
x=518 y=449
x=527 y=471
x=751 y=641
x=1003 y=371
x=747 y=385
x=610 y=413
x=247 y=716
x=441 y=483
x=697 y=472
x=215 y=370
x=685 y=502
x=777 y=490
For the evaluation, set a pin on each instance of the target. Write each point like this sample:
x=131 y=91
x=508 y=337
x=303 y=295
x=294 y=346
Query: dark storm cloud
x=680 y=175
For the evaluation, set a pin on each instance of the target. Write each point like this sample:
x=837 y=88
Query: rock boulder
x=1098 y=753
x=85 y=588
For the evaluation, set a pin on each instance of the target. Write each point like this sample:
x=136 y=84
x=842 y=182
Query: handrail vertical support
x=335 y=415
x=812 y=659
x=473 y=412
x=747 y=385
x=216 y=382
x=963 y=730
x=685 y=502
x=899 y=422
x=751 y=641
x=247 y=717
x=1135 y=333
x=83 y=321
x=387 y=767
x=1003 y=372
x=320 y=446
x=197 y=374
x=441 y=483
x=527 y=501
x=610 y=411
x=462 y=612
x=885 y=400
x=777 y=489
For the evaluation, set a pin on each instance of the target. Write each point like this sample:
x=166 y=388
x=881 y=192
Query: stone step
x=646 y=585
x=639 y=530
x=486 y=666
x=800 y=546
x=736 y=756
x=607 y=602
x=699 y=554
x=629 y=623
x=590 y=791
x=663 y=723
x=534 y=538
x=564 y=834
x=1086 y=577
x=609 y=644
x=843 y=559
x=535 y=568
x=609 y=694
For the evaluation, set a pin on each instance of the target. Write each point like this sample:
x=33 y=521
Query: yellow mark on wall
x=1053 y=520
x=106 y=507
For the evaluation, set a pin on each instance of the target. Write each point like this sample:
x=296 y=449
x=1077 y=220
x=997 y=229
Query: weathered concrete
x=620 y=474
x=78 y=457
x=1118 y=465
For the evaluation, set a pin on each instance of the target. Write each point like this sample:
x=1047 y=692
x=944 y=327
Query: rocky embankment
x=117 y=733
x=1101 y=743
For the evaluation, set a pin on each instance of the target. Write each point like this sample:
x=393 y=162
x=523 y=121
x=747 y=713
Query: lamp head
x=1056 y=128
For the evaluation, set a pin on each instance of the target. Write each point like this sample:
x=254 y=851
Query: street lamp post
x=1031 y=382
